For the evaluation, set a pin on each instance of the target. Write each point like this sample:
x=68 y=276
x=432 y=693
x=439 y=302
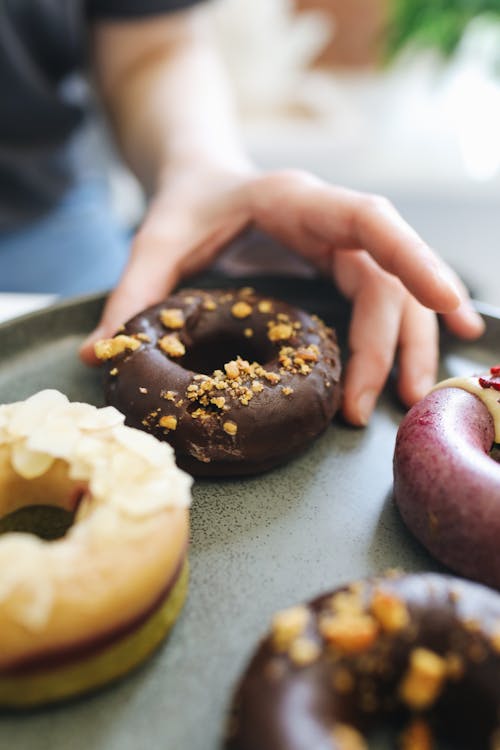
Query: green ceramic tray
x=258 y=544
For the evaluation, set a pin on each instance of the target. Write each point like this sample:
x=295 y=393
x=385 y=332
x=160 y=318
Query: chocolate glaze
x=281 y=706
x=447 y=486
x=272 y=427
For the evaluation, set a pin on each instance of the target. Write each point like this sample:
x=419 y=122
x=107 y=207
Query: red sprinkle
x=486 y=383
x=495 y=370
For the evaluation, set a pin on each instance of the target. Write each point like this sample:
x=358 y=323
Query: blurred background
x=396 y=97
x=399 y=97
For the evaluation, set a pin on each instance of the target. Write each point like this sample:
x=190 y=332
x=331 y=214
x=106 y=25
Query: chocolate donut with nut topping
x=418 y=654
x=236 y=382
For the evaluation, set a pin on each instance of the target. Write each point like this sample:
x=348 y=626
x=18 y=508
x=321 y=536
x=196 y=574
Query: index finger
x=306 y=212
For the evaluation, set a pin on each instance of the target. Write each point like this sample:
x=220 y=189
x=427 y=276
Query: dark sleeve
x=135 y=8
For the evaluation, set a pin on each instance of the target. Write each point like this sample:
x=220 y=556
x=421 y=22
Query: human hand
x=360 y=241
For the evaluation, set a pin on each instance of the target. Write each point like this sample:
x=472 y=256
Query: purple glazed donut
x=446 y=483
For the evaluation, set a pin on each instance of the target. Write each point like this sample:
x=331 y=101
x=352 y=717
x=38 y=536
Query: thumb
x=147 y=279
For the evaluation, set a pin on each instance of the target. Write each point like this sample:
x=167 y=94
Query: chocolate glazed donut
x=446 y=483
x=418 y=653
x=237 y=383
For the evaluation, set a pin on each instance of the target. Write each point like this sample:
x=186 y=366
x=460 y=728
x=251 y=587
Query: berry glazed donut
x=415 y=655
x=81 y=610
x=236 y=382
x=446 y=481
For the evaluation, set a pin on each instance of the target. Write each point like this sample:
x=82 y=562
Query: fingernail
x=445 y=276
x=366 y=404
x=473 y=316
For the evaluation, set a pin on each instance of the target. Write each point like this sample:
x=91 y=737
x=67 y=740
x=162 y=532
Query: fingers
x=373 y=338
x=313 y=216
x=464 y=322
x=146 y=280
x=418 y=352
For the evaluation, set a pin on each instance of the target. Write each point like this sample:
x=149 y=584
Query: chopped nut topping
x=168 y=395
x=280 y=332
x=232 y=369
x=173 y=318
x=109 y=348
x=142 y=389
x=169 y=422
x=288 y=625
x=265 y=306
x=390 y=611
x=218 y=401
x=171 y=345
x=347 y=603
x=423 y=680
x=349 y=633
x=417 y=736
x=247 y=291
x=209 y=305
x=230 y=427
x=346 y=737
x=287 y=391
x=114 y=371
x=241 y=309
x=248 y=333
x=257 y=386
x=303 y=651
x=142 y=337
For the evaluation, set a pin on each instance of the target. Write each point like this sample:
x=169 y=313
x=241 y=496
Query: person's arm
x=167 y=98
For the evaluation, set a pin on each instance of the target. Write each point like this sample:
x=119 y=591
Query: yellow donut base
x=51 y=685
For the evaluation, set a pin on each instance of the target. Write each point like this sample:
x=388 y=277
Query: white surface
x=13 y=305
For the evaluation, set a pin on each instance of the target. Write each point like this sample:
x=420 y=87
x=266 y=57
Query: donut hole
x=44 y=506
x=210 y=354
x=495 y=452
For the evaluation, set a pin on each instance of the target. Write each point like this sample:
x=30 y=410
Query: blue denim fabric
x=76 y=249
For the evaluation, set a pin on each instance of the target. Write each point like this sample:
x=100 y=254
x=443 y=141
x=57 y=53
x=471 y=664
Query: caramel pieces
x=424 y=679
x=172 y=345
x=108 y=348
x=172 y=318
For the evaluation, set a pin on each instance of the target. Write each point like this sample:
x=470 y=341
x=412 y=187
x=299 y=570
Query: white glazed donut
x=81 y=610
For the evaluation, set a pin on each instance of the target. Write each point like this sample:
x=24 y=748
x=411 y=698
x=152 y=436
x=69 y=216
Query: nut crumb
x=241 y=309
x=346 y=737
x=303 y=651
x=114 y=371
x=288 y=625
x=423 y=680
x=287 y=391
x=209 y=305
x=265 y=306
x=248 y=333
x=142 y=389
x=171 y=345
x=109 y=348
x=169 y=422
x=172 y=318
x=280 y=332
x=390 y=611
x=230 y=427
